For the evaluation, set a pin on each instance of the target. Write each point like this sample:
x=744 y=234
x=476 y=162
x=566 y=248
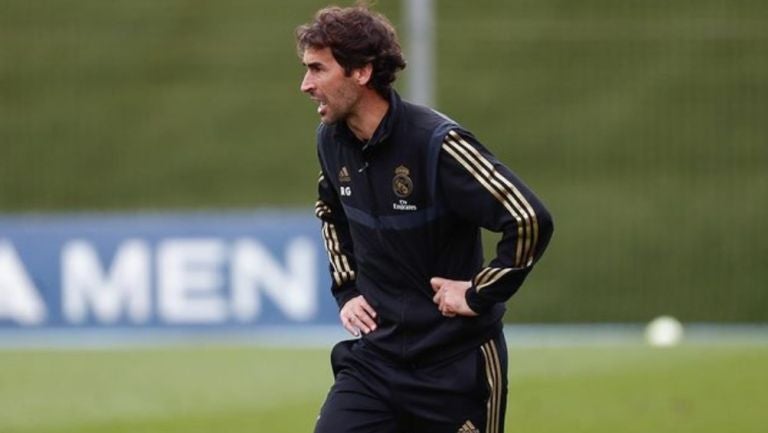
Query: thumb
x=437 y=283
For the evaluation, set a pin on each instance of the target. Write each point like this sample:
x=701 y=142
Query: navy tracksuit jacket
x=407 y=206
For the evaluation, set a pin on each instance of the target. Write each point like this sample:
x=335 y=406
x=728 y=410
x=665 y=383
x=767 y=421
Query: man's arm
x=355 y=313
x=480 y=189
x=337 y=241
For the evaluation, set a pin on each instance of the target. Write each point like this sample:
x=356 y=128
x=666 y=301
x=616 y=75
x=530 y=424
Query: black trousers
x=373 y=394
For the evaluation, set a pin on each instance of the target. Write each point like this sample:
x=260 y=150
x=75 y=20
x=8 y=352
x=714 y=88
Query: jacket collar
x=383 y=131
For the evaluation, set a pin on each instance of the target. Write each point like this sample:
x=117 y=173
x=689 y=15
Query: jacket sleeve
x=337 y=241
x=481 y=190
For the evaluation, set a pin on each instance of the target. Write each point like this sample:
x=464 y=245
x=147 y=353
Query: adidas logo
x=344 y=175
x=468 y=427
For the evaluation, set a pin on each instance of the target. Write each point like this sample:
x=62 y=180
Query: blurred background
x=641 y=124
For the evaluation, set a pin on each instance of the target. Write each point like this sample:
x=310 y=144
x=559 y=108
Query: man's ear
x=363 y=75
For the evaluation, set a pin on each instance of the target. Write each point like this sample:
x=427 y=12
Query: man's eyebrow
x=312 y=64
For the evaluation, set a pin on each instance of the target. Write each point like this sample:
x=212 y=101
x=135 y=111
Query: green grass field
x=632 y=388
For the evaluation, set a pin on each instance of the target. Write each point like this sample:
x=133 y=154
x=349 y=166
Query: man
x=403 y=194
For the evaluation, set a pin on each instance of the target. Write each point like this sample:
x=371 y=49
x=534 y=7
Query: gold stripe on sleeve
x=527 y=210
x=481 y=276
x=342 y=271
x=493 y=278
x=521 y=205
x=456 y=152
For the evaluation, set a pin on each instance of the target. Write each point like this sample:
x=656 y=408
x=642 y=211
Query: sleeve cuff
x=476 y=302
x=345 y=296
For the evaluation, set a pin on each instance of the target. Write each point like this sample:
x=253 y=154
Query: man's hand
x=449 y=297
x=356 y=315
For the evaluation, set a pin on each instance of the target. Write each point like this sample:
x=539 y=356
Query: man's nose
x=306 y=83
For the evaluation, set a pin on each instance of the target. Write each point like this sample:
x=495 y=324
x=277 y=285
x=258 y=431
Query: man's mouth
x=321 y=108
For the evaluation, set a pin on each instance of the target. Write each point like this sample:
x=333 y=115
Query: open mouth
x=322 y=106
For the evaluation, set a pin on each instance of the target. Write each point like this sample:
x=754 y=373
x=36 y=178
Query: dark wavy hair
x=356 y=36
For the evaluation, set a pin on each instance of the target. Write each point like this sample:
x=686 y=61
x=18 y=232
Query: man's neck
x=369 y=112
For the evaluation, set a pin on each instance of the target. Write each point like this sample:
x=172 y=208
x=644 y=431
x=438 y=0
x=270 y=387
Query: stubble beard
x=347 y=99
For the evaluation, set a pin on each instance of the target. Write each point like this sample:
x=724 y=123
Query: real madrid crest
x=402 y=184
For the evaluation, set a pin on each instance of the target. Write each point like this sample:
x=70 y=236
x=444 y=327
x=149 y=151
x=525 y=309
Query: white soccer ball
x=664 y=331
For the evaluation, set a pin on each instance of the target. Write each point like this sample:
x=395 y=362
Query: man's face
x=326 y=84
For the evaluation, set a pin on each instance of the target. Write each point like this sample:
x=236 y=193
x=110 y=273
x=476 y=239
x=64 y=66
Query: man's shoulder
x=421 y=119
x=426 y=117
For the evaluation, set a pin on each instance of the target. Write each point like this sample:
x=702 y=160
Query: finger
x=354 y=331
x=438 y=298
x=359 y=318
x=437 y=283
x=344 y=320
x=367 y=307
x=451 y=306
x=365 y=322
x=347 y=323
x=446 y=310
